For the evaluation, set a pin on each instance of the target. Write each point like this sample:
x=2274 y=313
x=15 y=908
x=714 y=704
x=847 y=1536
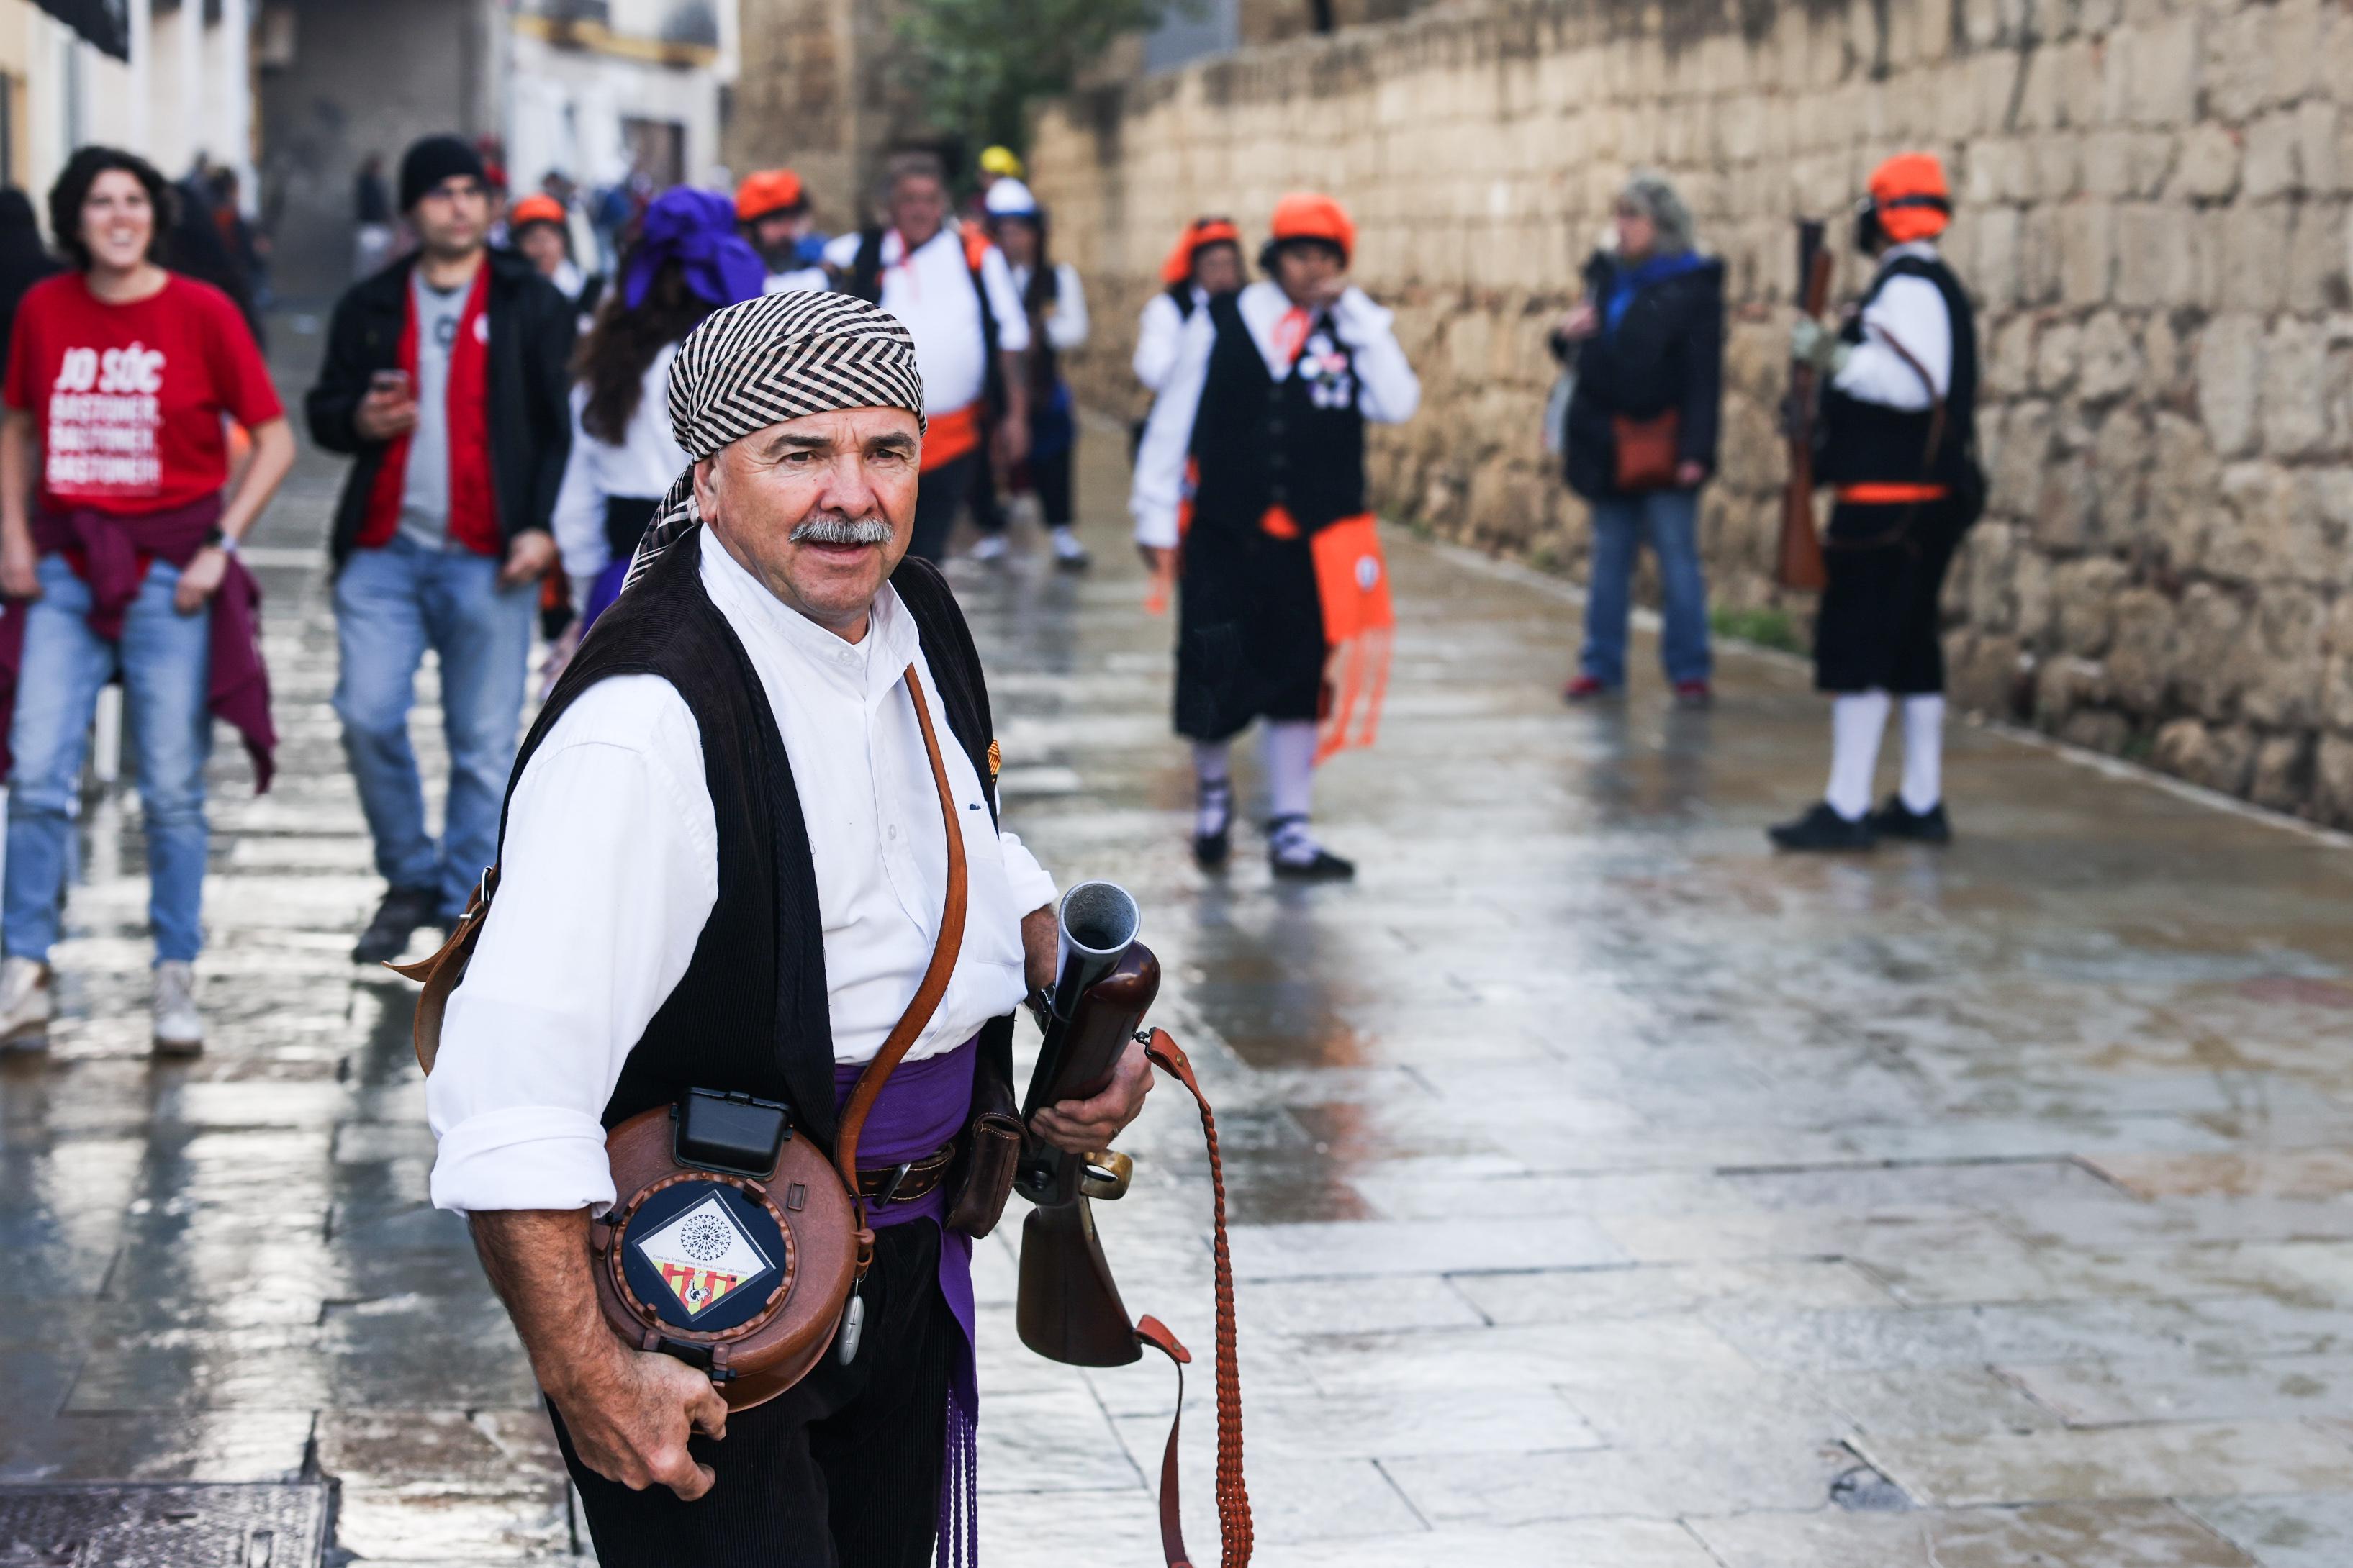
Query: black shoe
x=402 y=912
x=1210 y=849
x=1296 y=857
x=1823 y=828
x=1897 y=820
x=1325 y=867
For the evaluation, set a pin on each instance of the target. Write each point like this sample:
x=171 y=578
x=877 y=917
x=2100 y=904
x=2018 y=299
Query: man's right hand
x=383 y=412
x=630 y=1417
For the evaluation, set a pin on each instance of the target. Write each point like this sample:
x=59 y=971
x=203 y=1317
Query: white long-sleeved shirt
x=1911 y=311
x=1388 y=392
x=610 y=871
x=798 y=280
x=644 y=466
x=1066 y=319
x=1157 y=332
x=931 y=292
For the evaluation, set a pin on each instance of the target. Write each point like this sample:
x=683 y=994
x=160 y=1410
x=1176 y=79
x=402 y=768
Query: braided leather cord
x=1234 y=1530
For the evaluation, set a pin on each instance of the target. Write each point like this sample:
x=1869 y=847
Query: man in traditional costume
x=725 y=865
x=1899 y=441
x=1206 y=259
x=1284 y=604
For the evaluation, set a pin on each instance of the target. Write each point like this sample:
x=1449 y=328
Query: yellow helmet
x=1002 y=160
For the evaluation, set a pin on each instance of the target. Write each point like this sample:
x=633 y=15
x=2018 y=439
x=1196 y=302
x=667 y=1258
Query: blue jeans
x=166 y=661
x=391 y=604
x=1671 y=518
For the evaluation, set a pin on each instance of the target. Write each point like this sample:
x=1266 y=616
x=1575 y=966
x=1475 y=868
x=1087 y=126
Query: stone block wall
x=2153 y=199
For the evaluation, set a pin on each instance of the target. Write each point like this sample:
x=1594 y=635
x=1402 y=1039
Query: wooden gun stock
x=1800 y=563
x=1069 y=1308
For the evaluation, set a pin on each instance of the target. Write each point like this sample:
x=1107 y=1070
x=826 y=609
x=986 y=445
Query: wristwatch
x=220 y=540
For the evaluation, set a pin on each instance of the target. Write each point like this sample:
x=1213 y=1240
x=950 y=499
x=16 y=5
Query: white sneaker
x=24 y=1004
x=988 y=547
x=179 y=1027
x=1069 y=553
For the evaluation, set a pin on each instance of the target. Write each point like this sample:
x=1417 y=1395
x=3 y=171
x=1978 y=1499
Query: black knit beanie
x=433 y=160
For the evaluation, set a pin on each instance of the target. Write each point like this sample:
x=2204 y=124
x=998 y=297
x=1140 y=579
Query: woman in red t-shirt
x=118 y=557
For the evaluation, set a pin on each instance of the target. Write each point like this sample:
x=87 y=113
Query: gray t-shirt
x=424 y=489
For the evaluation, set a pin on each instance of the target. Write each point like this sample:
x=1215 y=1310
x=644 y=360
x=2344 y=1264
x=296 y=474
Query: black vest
x=750 y=1014
x=1297 y=443
x=1181 y=295
x=1870 y=443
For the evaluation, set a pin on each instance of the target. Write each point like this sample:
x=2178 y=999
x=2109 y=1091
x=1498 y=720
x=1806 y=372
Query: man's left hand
x=1083 y=1126
x=1689 y=474
x=1011 y=439
x=528 y=557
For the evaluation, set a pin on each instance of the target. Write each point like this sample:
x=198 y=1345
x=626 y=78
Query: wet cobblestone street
x=1608 y=1191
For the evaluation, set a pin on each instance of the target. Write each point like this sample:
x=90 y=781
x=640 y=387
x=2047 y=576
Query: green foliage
x=981 y=62
x=1765 y=627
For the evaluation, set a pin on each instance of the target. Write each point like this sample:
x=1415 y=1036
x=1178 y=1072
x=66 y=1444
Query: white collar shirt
x=1388 y=392
x=1909 y=310
x=609 y=874
x=931 y=292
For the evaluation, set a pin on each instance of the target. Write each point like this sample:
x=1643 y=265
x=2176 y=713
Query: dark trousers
x=987 y=507
x=1879 y=628
x=841 y=1471
x=1049 y=476
x=940 y=495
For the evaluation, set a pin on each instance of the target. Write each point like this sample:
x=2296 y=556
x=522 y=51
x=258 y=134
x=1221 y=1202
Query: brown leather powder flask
x=734 y=1249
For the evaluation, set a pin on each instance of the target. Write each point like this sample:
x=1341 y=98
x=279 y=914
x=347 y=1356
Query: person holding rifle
x=727 y=865
x=1898 y=438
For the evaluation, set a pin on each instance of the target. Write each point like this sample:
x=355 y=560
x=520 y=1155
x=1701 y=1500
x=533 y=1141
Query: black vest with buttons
x=1296 y=443
x=751 y=1012
x=1870 y=443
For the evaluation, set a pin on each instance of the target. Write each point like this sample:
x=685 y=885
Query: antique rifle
x=1799 y=564
x=1069 y=1308
x=1104 y=981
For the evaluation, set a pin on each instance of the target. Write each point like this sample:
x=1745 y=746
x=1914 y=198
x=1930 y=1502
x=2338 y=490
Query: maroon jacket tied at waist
x=111 y=553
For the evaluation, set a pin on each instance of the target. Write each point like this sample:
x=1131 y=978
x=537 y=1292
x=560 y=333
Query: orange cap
x=767 y=191
x=1912 y=199
x=1201 y=233
x=1308 y=214
x=535 y=209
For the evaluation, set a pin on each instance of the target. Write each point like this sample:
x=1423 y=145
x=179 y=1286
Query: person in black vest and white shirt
x=1206 y=259
x=1269 y=397
x=1898 y=433
x=670 y=914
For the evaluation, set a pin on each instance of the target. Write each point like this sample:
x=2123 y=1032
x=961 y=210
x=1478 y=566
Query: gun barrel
x=1098 y=921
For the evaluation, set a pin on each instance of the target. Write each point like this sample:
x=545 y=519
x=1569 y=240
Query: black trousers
x=940 y=495
x=1049 y=476
x=1880 y=621
x=987 y=508
x=1250 y=630
x=841 y=1471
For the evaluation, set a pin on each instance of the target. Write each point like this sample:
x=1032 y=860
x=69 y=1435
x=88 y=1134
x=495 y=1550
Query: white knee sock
x=1923 y=753
x=1289 y=767
x=1857 y=721
x=1213 y=791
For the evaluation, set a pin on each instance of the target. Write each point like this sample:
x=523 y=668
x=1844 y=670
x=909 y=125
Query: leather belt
x=915 y=1179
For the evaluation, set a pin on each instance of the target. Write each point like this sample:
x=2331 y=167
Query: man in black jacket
x=445 y=377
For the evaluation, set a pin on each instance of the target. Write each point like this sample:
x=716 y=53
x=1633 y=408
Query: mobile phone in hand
x=395 y=382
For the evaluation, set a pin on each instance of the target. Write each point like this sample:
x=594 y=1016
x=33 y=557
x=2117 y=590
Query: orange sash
x=947 y=437
x=1889 y=494
x=1352 y=584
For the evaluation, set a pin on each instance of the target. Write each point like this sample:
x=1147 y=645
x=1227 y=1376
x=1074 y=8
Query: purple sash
x=923 y=1105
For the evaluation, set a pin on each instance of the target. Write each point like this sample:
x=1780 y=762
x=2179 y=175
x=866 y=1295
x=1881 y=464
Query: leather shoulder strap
x=934 y=984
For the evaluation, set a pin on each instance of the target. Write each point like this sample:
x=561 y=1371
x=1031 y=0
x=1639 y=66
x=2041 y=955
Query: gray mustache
x=832 y=528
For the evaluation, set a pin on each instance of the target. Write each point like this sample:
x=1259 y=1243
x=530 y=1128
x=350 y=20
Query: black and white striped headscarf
x=764 y=361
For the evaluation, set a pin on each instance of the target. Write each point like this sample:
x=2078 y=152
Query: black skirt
x=1878 y=626
x=1249 y=631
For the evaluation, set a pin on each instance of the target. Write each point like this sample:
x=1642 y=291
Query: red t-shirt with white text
x=127 y=399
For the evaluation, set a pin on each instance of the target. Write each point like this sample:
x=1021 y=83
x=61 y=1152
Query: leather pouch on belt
x=992 y=1147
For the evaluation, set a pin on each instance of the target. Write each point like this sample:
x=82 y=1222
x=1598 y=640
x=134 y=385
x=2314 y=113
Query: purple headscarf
x=697 y=230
